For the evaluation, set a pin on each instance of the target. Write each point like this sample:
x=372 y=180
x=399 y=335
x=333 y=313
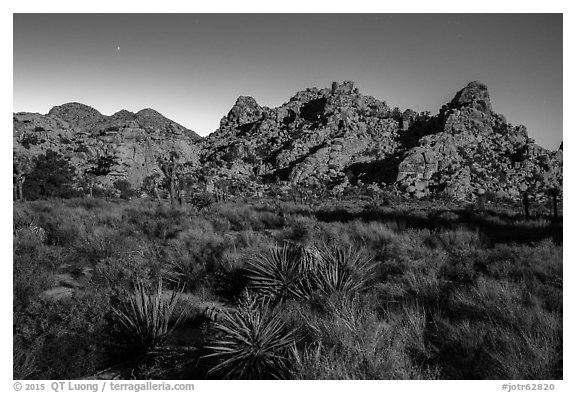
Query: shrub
x=304 y=273
x=125 y=188
x=147 y=319
x=202 y=200
x=341 y=269
x=251 y=343
x=281 y=273
x=29 y=140
x=60 y=339
x=351 y=341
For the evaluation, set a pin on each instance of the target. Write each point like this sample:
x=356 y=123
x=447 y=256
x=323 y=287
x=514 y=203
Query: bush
x=281 y=273
x=60 y=339
x=347 y=270
x=125 y=188
x=29 y=140
x=202 y=200
x=146 y=319
x=252 y=343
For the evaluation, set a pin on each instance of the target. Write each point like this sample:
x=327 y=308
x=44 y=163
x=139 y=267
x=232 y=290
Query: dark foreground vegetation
x=266 y=289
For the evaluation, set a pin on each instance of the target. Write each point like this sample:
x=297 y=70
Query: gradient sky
x=192 y=67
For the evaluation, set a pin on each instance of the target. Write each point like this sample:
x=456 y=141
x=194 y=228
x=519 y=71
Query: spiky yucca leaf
x=281 y=272
x=147 y=319
x=251 y=343
x=342 y=269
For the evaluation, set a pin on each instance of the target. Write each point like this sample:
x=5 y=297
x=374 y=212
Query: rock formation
x=332 y=137
x=82 y=134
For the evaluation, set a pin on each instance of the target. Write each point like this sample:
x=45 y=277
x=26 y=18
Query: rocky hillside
x=333 y=137
x=340 y=138
x=80 y=133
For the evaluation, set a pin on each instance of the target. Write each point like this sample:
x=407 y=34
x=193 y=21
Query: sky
x=192 y=67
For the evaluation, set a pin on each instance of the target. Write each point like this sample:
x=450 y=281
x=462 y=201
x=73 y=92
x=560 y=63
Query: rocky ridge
x=332 y=137
x=82 y=135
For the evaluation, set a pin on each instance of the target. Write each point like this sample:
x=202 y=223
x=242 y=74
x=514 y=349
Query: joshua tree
x=526 y=204
x=187 y=180
x=554 y=192
x=151 y=184
x=222 y=189
x=170 y=167
x=22 y=166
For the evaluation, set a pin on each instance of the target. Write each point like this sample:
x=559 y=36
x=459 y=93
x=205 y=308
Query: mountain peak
x=245 y=110
x=77 y=113
x=476 y=95
x=149 y=112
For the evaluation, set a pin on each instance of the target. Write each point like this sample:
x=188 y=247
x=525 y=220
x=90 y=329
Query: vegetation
x=253 y=342
x=274 y=289
x=147 y=319
x=52 y=176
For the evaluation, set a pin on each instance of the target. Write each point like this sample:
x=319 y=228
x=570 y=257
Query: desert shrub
x=99 y=205
x=529 y=355
x=121 y=272
x=351 y=341
x=202 y=200
x=460 y=238
x=102 y=242
x=342 y=269
x=29 y=236
x=156 y=224
x=310 y=272
x=248 y=217
x=32 y=271
x=29 y=140
x=60 y=340
x=125 y=188
x=281 y=272
x=147 y=318
x=480 y=350
x=186 y=265
x=251 y=343
x=423 y=287
x=198 y=244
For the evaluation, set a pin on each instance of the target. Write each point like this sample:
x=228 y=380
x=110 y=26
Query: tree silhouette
x=21 y=166
x=101 y=167
x=52 y=176
x=170 y=166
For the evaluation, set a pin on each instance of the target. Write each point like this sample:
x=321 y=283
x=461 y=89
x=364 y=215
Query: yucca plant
x=253 y=342
x=342 y=269
x=146 y=318
x=281 y=273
